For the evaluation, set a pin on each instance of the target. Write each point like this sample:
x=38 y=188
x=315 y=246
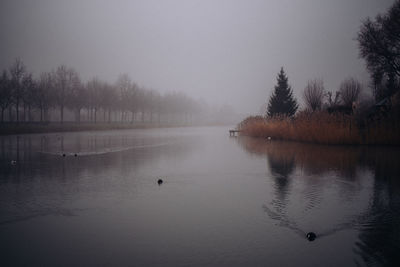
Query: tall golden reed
x=321 y=128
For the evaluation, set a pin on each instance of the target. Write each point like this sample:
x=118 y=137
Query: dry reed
x=320 y=128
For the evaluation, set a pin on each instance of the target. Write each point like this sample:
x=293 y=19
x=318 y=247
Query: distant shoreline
x=13 y=128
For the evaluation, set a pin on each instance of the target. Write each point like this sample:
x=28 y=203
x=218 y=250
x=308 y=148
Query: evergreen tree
x=282 y=102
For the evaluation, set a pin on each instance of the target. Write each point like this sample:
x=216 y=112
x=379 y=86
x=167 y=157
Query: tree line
x=283 y=103
x=379 y=46
x=24 y=98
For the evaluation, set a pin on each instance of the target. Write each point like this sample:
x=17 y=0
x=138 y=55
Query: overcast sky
x=225 y=52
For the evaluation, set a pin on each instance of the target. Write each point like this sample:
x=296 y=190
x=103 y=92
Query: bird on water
x=311 y=236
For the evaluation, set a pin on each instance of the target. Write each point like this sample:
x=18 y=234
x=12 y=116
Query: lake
x=225 y=201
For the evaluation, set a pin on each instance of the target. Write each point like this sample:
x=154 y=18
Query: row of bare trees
x=345 y=98
x=24 y=98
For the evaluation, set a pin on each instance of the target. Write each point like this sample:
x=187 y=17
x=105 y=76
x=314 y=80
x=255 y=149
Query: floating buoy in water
x=160 y=181
x=75 y=155
x=311 y=236
x=269 y=138
x=13 y=162
x=63 y=155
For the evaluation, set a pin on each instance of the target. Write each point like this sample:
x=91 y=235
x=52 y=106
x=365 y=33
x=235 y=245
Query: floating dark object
x=63 y=155
x=13 y=162
x=160 y=181
x=311 y=236
x=75 y=155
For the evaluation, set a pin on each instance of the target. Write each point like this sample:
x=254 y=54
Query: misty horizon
x=227 y=53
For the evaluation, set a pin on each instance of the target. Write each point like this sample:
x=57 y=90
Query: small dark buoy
x=63 y=155
x=75 y=155
x=311 y=236
x=160 y=181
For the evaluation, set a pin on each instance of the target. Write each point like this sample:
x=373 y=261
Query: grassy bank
x=322 y=128
x=26 y=128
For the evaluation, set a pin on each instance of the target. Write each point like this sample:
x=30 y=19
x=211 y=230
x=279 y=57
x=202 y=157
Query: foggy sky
x=225 y=52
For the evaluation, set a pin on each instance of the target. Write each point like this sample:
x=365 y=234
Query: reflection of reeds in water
x=313 y=159
x=377 y=226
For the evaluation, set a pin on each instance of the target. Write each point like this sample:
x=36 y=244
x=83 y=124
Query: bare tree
x=17 y=72
x=29 y=87
x=77 y=97
x=45 y=96
x=61 y=87
x=350 y=90
x=133 y=100
x=5 y=93
x=109 y=100
x=124 y=85
x=333 y=101
x=65 y=78
x=313 y=94
x=94 y=87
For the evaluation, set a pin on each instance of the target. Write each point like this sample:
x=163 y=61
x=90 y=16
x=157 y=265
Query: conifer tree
x=282 y=102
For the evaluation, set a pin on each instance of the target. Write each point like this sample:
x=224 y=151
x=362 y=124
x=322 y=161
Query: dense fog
x=219 y=52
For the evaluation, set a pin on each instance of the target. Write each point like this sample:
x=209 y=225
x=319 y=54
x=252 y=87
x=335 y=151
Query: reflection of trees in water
x=31 y=164
x=379 y=224
x=282 y=163
x=312 y=159
x=35 y=175
x=379 y=238
x=281 y=169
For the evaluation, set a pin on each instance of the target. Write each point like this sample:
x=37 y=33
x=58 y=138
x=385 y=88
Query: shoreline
x=54 y=127
x=310 y=143
x=323 y=129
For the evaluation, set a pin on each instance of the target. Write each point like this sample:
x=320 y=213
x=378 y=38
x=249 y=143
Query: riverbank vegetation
x=60 y=95
x=322 y=128
x=342 y=117
x=31 y=104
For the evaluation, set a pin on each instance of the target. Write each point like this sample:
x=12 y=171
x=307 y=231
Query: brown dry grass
x=320 y=128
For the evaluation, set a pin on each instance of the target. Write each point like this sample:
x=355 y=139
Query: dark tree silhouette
x=5 y=93
x=379 y=44
x=17 y=72
x=332 y=101
x=28 y=89
x=350 y=90
x=94 y=88
x=313 y=94
x=63 y=90
x=62 y=84
x=282 y=102
x=44 y=97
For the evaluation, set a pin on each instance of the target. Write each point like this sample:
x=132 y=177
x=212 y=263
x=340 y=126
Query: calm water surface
x=224 y=201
